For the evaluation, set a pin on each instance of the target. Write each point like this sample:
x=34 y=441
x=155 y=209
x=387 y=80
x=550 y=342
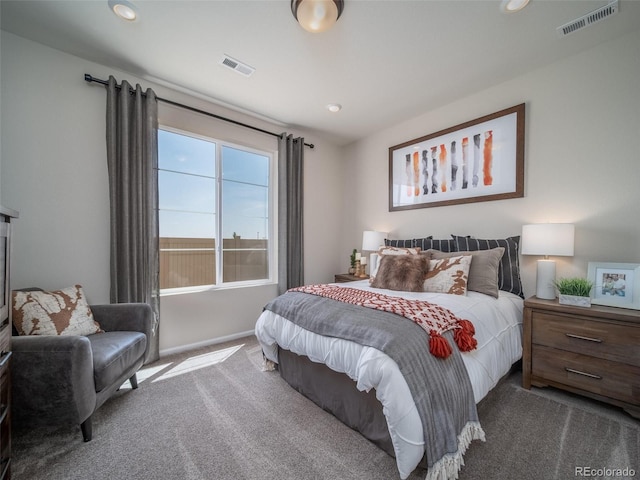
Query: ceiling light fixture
x=123 y=9
x=317 y=16
x=334 y=107
x=512 y=6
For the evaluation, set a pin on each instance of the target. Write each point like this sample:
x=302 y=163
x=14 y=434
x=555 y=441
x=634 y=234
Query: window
x=214 y=212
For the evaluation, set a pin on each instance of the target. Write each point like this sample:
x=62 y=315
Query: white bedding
x=498 y=325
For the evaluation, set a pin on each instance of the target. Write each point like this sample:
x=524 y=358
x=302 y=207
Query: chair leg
x=86 y=429
x=134 y=381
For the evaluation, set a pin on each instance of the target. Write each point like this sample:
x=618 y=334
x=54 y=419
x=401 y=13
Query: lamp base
x=373 y=264
x=546 y=276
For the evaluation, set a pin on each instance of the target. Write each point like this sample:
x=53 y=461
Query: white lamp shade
x=548 y=239
x=372 y=240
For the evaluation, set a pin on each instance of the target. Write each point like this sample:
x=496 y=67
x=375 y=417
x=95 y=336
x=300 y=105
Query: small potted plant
x=352 y=270
x=574 y=291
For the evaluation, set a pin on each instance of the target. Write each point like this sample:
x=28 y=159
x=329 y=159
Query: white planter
x=574 y=300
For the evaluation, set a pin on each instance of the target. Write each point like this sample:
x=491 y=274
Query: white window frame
x=271 y=212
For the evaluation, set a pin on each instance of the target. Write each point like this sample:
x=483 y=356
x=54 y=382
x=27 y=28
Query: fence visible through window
x=191 y=262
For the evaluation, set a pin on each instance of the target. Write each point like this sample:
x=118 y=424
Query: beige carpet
x=212 y=414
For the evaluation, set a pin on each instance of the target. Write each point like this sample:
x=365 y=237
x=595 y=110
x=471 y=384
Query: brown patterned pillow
x=390 y=250
x=61 y=312
x=448 y=275
x=401 y=272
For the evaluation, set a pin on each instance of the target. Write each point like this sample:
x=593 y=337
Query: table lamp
x=371 y=242
x=555 y=239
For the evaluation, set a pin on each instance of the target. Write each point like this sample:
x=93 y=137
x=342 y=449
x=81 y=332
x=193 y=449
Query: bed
x=365 y=387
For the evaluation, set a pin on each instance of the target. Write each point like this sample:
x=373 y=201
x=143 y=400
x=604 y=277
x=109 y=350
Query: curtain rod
x=88 y=78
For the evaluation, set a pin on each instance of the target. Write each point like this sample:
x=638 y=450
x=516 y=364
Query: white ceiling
x=385 y=61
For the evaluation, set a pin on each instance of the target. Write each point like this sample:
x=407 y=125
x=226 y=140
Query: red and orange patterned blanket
x=434 y=319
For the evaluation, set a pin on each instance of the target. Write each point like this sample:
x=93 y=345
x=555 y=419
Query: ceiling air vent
x=588 y=19
x=237 y=65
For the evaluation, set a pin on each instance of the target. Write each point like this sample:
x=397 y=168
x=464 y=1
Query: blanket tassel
x=449 y=466
x=438 y=345
x=463 y=336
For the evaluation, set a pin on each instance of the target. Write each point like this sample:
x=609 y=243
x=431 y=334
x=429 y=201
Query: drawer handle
x=5 y=359
x=580 y=337
x=590 y=375
x=5 y=410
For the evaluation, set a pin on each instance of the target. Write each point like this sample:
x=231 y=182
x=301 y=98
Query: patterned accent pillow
x=448 y=275
x=483 y=273
x=509 y=271
x=61 y=312
x=401 y=272
x=444 y=245
x=398 y=251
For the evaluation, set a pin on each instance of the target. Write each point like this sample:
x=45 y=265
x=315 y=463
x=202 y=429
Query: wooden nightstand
x=593 y=351
x=347 y=277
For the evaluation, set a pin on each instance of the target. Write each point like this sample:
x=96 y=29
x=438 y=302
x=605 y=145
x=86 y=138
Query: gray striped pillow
x=444 y=245
x=398 y=243
x=509 y=270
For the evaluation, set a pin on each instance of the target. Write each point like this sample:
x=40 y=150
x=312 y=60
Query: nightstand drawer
x=5 y=391
x=5 y=335
x=5 y=418
x=596 y=375
x=600 y=339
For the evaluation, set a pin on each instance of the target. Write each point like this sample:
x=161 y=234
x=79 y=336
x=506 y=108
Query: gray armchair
x=64 y=379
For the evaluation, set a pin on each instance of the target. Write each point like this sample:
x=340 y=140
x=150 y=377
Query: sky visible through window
x=187 y=183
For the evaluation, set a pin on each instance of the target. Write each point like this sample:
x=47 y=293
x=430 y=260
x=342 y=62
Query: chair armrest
x=52 y=378
x=130 y=317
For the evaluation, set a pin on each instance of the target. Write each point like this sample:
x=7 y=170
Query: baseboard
x=205 y=343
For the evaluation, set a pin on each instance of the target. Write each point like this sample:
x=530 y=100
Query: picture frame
x=476 y=161
x=615 y=284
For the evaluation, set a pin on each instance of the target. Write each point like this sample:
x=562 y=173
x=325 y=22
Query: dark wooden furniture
x=6 y=215
x=592 y=351
x=347 y=277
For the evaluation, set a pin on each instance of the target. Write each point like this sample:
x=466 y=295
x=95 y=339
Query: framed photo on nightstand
x=615 y=284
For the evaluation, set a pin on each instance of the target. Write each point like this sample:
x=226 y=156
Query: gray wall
x=583 y=123
x=582 y=164
x=54 y=172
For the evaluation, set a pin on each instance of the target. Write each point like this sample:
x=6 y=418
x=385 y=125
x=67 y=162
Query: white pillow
x=448 y=275
x=61 y=312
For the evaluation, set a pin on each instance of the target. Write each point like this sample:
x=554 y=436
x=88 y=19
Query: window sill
x=167 y=292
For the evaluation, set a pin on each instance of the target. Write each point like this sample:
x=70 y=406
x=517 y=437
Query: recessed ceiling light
x=511 y=6
x=334 y=107
x=123 y=9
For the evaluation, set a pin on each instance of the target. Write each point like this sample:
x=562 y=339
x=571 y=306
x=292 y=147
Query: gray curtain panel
x=132 y=158
x=290 y=212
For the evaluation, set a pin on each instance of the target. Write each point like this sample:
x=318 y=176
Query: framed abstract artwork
x=476 y=161
x=615 y=284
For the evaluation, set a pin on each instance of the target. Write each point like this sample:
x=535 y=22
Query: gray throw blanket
x=441 y=388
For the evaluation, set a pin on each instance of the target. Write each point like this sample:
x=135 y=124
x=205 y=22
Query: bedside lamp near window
x=546 y=239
